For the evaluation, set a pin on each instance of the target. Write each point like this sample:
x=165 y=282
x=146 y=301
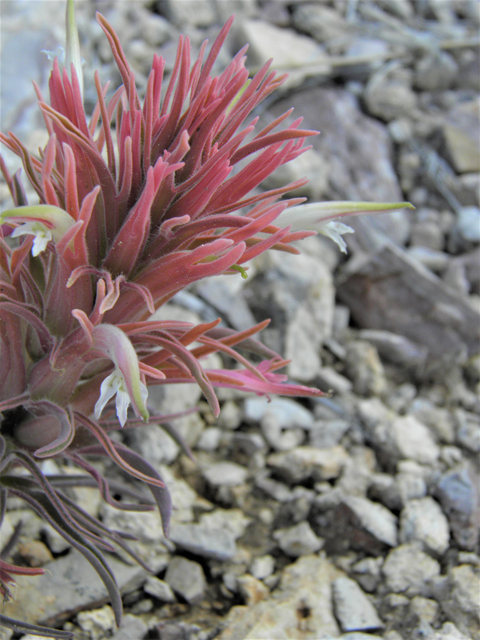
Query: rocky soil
x=355 y=516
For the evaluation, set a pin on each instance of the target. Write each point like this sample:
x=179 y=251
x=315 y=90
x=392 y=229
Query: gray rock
x=225 y=295
x=300 y=607
x=365 y=369
x=189 y=12
x=423 y=521
x=209 y=439
x=394 y=610
x=457 y=491
x=392 y=292
x=230 y=416
x=400 y=398
x=251 y=589
x=461 y=147
x=362 y=47
x=367 y=573
x=322 y=23
x=156 y=446
x=438 y=419
x=291 y=51
x=69 y=585
x=305 y=462
x=207 y=543
x=408 y=570
x=472 y=369
x=273 y=488
x=436 y=261
x=6 y=634
x=249 y=443
x=461 y=272
x=326 y=434
x=358 y=523
x=173 y=630
x=159 y=589
x=97 y=623
x=451 y=456
x=282 y=420
x=298 y=540
x=231 y=521
x=410 y=481
x=359 y=635
x=435 y=71
x=296 y=291
x=376 y=417
x=353 y=609
x=400 y=8
x=458 y=596
x=31 y=527
x=357 y=472
x=383 y=488
x=425 y=609
x=131 y=628
x=427 y=233
x=448 y=632
x=288 y=412
x=298 y=507
x=26 y=30
x=390 y=96
x=262 y=567
x=468 y=430
x=330 y=379
x=396 y=348
x=225 y=474
x=56 y=543
x=468 y=223
x=183 y=496
x=145 y=526
x=172 y=398
x=410 y=439
x=187 y=579
x=309 y=165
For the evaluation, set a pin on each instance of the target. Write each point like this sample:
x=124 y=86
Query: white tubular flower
x=58 y=53
x=44 y=221
x=42 y=234
x=115 y=384
x=321 y=216
x=70 y=55
x=72 y=50
x=125 y=381
x=335 y=231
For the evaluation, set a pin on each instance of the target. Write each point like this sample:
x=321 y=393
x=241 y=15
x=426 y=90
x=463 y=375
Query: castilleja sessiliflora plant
x=119 y=228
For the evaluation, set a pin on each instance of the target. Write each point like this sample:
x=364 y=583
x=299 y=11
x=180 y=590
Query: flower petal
x=335 y=230
x=122 y=403
x=309 y=216
x=114 y=344
x=108 y=389
x=39 y=230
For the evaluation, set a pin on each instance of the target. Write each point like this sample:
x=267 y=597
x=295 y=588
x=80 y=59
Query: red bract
x=120 y=227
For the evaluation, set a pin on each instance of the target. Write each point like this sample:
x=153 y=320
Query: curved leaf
x=66 y=434
x=47 y=511
x=35 y=629
x=156 y=484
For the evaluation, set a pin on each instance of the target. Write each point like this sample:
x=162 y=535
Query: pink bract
x=121 y=225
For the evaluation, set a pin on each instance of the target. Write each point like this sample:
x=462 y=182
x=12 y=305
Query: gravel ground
x=355 y=516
